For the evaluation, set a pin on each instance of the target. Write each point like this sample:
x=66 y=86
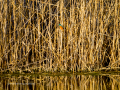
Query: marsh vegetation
x=31 y=40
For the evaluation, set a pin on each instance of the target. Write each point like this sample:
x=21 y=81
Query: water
x=60 y=81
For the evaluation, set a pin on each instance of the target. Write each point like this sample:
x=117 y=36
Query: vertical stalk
x=101 y=25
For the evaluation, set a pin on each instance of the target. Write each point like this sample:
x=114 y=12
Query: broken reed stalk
x=90 y=39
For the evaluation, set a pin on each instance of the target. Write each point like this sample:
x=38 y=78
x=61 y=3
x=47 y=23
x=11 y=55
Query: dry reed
x=31 y=40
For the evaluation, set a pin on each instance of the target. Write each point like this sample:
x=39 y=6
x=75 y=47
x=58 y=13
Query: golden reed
x=32 y=41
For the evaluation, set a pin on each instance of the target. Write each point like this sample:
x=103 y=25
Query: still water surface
x=60 y=82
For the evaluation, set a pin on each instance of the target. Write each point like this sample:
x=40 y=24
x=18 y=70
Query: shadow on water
x=60 y=82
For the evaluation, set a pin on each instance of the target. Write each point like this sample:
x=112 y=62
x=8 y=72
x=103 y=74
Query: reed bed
x=32 y=41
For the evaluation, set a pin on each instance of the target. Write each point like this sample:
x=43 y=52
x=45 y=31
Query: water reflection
x=60 y=82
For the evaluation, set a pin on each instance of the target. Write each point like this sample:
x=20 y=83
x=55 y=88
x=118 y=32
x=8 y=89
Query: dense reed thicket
x=31 y=40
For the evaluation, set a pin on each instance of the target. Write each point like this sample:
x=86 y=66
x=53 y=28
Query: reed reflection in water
x=60 y=82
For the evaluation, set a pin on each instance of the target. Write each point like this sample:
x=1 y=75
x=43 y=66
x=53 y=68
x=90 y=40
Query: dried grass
x=31 y=40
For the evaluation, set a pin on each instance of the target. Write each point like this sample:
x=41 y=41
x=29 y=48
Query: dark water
x=60 y=82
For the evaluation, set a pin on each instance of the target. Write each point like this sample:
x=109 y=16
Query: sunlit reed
x=32 y=41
